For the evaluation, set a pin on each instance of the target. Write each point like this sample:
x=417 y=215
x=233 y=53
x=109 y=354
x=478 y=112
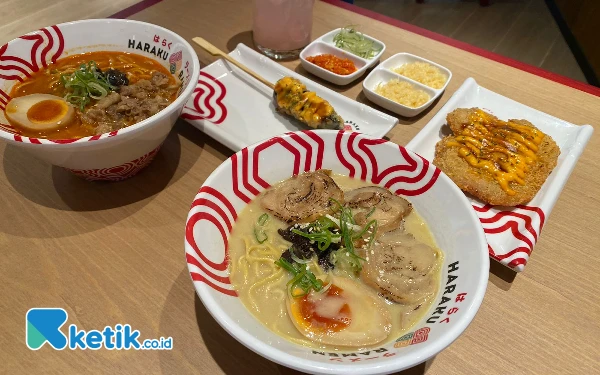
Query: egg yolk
x=329 y=313
x=46 y=111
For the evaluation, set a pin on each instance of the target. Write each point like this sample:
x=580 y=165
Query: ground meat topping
x=133 y=103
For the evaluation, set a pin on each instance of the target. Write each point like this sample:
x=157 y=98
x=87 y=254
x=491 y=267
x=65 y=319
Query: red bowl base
x=119 y=172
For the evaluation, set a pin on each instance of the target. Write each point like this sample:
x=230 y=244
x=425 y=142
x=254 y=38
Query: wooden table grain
x=113 y=253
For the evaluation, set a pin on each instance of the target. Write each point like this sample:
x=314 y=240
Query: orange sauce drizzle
x=505 y=149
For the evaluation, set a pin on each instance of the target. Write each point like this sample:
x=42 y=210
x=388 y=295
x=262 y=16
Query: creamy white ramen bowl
x=443 y=207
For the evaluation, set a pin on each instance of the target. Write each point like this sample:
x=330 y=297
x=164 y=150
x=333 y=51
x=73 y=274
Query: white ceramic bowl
x=119 y=154
x=325 y=45
x=383 y=73
x=435 y=197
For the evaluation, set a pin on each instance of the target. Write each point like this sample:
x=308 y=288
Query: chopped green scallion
x=303 y=278
x=85 y=84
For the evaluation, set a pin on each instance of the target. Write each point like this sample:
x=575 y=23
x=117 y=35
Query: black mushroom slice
x=378 y=204
x=304 y=197
x=402 y=269
x=116 y=77
x=304 y=248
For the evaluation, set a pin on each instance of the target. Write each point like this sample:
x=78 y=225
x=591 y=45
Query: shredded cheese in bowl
x=402 y=93
x=424 y=73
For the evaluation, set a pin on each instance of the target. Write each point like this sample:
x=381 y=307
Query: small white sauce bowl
x=383 y=73
x=325 y=45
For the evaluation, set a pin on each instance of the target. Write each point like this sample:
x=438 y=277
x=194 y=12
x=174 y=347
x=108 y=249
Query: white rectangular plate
x=237 y=110
x=511 y=231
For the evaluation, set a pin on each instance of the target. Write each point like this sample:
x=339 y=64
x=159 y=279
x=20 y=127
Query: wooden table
x=113 y=252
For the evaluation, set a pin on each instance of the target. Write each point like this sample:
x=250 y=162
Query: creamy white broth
x=261 y=285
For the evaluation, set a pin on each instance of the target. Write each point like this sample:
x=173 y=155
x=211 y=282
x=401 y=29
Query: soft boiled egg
x=40 y=112
x=347 y=314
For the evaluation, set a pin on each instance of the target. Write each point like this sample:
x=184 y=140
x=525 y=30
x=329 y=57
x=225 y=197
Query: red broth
x=47 y=81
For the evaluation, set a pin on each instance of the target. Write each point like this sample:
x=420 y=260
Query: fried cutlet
x=480 y=181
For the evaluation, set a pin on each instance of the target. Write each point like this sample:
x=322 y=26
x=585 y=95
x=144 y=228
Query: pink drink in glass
x=282 y=28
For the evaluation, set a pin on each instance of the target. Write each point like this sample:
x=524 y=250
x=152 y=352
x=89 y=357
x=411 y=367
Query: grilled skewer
x=290 y=96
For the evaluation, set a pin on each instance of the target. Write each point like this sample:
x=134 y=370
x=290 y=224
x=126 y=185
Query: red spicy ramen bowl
x=97 y=103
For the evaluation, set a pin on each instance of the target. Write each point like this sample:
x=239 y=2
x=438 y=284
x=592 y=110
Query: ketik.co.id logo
x=42 y=325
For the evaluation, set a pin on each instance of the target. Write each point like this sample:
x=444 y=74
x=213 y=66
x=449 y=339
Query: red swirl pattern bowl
x=442 y=205
x=119 y=154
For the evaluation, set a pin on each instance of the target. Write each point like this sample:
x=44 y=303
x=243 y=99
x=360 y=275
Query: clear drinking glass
x=282 y=28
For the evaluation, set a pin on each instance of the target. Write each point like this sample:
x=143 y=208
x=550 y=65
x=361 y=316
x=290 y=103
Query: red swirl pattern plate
x=511 y=232
x=238 y=111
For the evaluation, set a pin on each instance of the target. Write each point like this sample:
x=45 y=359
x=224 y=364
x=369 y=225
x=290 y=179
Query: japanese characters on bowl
x=345 y=44
x=406 y=84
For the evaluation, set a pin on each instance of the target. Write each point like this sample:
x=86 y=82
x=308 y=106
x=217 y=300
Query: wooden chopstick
x=208 y=47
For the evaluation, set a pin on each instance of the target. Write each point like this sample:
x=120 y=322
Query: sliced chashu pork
x=402 y=269
x=389 y=208
x=304 y=197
